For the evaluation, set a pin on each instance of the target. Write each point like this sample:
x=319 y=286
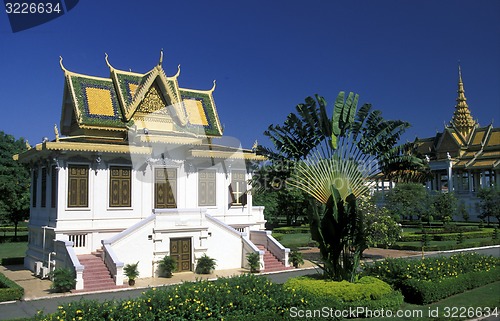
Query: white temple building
x=138 y=172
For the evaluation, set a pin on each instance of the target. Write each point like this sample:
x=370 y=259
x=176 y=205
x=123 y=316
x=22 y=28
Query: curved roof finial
x=213 y=87
x=61 y=64
x=161 y=57
x=178 y=71
x=107 y=61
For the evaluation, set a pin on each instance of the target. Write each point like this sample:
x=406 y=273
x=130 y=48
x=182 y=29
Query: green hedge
x=9 y=290
x=411 y=238
x=291 y=229
x=446 y=236
x=13 y=261
x=366 y=288
x=12 y=229
x=368 y=292
x=278 y=236
x=12 y=238
x=466 y=235
x=426 y=291
x=444 y=247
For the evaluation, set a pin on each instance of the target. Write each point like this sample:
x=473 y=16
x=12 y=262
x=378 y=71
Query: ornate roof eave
x=170 y=139
x=63 y=146
x=194 y=153
x=119 y=129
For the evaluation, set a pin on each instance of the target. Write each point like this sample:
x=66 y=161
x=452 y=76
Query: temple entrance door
x=180 y=249
x=165 y=188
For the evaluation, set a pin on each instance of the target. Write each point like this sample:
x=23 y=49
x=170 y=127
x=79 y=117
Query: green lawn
x=486 y=296
x=17 y=249
x=296 y=240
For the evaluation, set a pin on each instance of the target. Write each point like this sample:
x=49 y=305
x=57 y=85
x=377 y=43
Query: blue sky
x=266 y=56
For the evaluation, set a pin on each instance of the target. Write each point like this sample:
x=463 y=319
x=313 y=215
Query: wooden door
x=165 y=187
x=180 y=249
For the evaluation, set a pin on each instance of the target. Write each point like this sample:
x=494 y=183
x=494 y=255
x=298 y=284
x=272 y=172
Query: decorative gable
x=100 y=106
x=449 y=143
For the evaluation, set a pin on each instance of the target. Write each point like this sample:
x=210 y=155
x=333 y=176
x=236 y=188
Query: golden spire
x=462 y=119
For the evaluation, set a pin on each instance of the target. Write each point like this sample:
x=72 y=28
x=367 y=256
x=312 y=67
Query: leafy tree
x=380 y=228
x=463 y=212
x=406 y=200
x=330 y=159
x=289 y=203
x=14 y=182
x=445 y=206
x=489 y=203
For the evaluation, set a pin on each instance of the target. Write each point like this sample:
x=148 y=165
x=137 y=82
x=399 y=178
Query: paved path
x=38 y=296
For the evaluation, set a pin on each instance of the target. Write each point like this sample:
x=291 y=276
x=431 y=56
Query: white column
x=450 y=178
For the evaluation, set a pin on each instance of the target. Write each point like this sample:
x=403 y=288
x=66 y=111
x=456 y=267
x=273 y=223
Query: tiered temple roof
x=131 y=113
x=471 y=146
x=109 y=107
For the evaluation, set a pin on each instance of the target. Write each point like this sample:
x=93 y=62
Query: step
x=96 y=276
x=271 y=262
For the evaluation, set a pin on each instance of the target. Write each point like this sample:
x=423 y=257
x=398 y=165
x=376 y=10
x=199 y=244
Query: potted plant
x=168 y=265
x=254 y=262
x=132 y=272
x=295 y=257
x=205 y=265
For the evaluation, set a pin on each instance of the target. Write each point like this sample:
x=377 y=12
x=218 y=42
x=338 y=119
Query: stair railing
x=114 y=265
x=66 y=257
x=272 y=245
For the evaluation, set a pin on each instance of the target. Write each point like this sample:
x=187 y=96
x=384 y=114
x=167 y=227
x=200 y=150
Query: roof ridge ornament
x=213 y=87
x=178 y=71
x=56 y=132
x=61 y=64
x=107 y=61
x=160 y=62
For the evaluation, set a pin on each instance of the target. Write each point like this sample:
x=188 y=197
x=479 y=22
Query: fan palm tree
x=331 y=160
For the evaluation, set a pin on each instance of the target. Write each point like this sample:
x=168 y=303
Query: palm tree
x=331 y=160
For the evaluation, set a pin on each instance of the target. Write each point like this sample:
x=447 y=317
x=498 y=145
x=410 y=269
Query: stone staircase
x=271 y=263
x=96 y=276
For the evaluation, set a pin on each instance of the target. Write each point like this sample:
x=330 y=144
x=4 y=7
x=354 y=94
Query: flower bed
x=432 y=279
x=243 y=296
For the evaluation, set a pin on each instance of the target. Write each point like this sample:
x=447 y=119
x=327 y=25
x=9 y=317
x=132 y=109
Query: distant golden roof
x=462 y=119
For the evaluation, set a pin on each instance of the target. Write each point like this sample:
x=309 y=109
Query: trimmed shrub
x=291 y=230
x=13 y=239
x=367 y=292
x=13 y=261
x=427 y=291
x=9 y=290
x=444 y=247
x=366 y=288
x=11 y=229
